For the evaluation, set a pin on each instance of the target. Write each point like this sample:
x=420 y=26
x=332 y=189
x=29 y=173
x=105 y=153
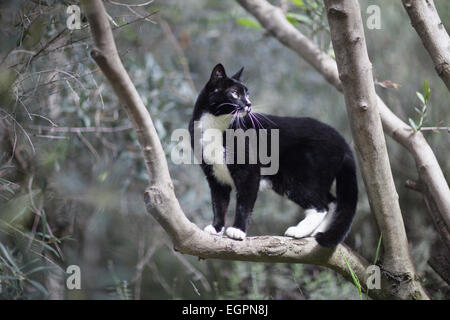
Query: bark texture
x=355 y=72
x=428 y=25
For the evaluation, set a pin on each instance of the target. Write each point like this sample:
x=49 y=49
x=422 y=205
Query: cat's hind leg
x=325 y=224
x=313 y=218
x=316 y=204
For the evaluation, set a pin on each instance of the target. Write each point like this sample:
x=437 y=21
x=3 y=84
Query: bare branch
x=425 y=19
x=81 y=129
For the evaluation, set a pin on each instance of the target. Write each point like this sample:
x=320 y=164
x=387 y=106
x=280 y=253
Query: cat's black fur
x=312 y=156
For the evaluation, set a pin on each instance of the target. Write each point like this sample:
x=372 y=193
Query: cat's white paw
x=211 y=230
x=235 y=233
x=297 y=232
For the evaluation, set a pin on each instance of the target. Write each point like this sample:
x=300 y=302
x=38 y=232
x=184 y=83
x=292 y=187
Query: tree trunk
x=425 y=19
x=355 y=73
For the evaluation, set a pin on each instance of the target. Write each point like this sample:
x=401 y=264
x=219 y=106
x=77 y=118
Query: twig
x=82 y=129
x=435 y=129
x=40 y=55
x=88 y=145
x=23 y=130
x=130 y=4
x=181 y=56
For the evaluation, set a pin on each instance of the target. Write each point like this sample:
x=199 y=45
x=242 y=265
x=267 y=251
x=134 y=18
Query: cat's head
x=225 y=95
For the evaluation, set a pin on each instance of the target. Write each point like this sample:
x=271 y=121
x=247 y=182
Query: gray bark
x=425 y=20
x=355 y=72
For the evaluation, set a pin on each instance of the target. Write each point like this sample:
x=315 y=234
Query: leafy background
x=73 y=194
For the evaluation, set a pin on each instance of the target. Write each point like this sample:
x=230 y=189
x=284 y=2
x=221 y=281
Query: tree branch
x=355 y=72
x=425 y=19
x=436 y=218
x=430 y=173
x=162 y=203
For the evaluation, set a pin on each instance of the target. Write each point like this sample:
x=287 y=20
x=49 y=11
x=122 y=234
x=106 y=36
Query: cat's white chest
x=212 y=145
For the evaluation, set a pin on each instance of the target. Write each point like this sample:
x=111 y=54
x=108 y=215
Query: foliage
x=424 y=99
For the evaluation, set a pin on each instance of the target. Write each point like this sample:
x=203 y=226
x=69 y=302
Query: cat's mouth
x=243 y=111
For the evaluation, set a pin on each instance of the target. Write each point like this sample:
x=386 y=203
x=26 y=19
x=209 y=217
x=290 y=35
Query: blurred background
x=71 y=173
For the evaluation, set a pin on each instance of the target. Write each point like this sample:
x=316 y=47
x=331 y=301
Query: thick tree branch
x=425 y=19
x=430 y=173
x=355 y=72
x=160 y=198
x=106 y=55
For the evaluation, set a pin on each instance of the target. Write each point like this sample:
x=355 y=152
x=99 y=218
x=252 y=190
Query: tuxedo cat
x=311 y=156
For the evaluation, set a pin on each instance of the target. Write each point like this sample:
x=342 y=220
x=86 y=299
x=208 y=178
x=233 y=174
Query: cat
x=311 y=156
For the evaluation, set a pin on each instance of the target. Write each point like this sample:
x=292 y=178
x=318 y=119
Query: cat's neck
x=209 y=121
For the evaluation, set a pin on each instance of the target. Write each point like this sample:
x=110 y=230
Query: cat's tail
x=330 y=233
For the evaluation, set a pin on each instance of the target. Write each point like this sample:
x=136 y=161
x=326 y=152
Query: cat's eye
x=234 y=94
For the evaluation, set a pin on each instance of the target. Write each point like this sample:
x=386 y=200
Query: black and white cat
x=311 y=156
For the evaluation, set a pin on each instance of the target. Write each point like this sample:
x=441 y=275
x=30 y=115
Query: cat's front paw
x=296 y=232
x=235 y=233
x=211 y=230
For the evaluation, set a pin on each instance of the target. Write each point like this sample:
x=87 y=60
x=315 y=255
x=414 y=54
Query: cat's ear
x=238 y=74
x=218 y=73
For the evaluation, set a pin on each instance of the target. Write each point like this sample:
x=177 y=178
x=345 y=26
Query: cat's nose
x=248 y=105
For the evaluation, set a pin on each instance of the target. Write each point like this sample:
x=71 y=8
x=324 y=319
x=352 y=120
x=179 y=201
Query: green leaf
x=44 y=222
x=299 y=3
x=331 y=53
x=354 y=277
x=293 y=17
x=8 y=257
x=38 y=286
x=413 y=124
x=7 y=188
x=41 y=268
x=377 y=253
x=7 y=166
x=421 y=97
x=248 y=23
x=426 y=90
